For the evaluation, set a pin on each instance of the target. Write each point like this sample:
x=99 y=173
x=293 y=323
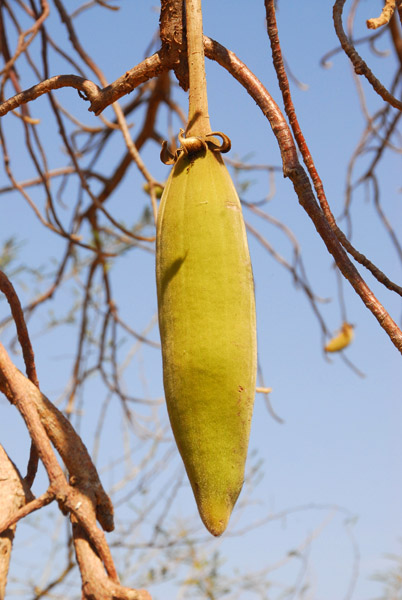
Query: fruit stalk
x=198 y=118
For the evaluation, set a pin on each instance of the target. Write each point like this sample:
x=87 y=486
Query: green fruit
x=207 y=326
x=158 y=189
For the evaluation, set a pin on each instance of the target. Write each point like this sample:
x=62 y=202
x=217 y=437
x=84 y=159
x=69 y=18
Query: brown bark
x=14 y=494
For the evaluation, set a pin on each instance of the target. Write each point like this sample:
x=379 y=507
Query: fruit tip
x=215 y=514
x=216 y=528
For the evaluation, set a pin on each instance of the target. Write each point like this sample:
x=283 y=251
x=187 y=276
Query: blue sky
x=336 y=459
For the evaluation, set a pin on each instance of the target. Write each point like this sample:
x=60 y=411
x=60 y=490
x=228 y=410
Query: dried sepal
x=166 y=155
x=194 y=145
x=224 y=147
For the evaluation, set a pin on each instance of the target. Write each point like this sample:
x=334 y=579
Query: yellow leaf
x=342 y=339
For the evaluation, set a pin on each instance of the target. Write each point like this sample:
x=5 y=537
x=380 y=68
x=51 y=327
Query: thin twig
x=358 y=63
x=307 y=157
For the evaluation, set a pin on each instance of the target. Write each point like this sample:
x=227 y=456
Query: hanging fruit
x=206 y=305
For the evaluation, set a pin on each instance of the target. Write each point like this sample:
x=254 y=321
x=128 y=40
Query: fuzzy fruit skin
x=208 y=329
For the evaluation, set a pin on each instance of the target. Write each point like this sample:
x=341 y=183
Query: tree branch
x=305 y=152
x=293 y=169
x=89 y=90
x=358 y=63
x=14 y=494
x=98 y=98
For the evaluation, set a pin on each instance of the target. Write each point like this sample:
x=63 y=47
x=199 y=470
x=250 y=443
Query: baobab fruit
x=207 y=325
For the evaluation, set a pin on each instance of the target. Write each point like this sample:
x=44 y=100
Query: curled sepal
x=192 y=144
x=166 y=156
x=224 y=147
x=195 y=144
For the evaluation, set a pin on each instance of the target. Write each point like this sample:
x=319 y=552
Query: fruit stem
x=198 y=119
